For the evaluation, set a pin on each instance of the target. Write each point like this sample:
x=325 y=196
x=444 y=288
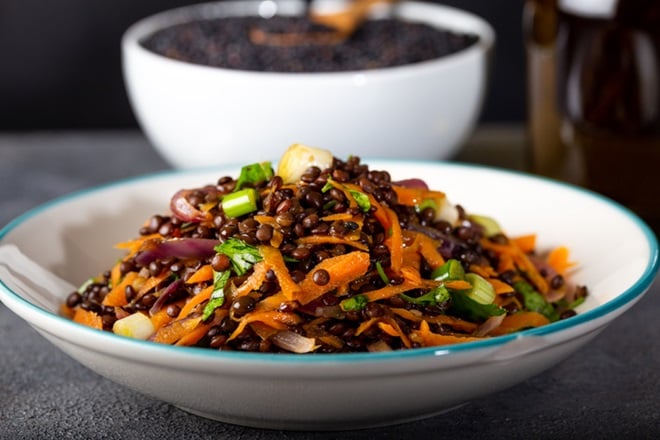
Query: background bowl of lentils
x=409 y=84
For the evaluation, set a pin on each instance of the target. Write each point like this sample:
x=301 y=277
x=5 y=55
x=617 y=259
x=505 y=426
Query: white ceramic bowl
x=618 y=261
x=196 y=115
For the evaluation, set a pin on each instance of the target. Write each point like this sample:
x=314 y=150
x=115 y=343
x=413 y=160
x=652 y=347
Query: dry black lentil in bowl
x=225 y=42
x=323 y=256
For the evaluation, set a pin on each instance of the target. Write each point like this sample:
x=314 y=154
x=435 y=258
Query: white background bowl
x=196 y=115
x=617 y=255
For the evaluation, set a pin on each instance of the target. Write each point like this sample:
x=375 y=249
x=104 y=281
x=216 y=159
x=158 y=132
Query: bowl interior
x=74 y=237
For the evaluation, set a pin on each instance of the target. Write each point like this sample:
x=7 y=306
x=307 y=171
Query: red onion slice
x=489 y=325
x=165 y=295
x=200 y=248
x=294 y=342
x=412 y=183
x=184 y=210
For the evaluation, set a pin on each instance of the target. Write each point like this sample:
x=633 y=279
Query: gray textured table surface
x=610 y=389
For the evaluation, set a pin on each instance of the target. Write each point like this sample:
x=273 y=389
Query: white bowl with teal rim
x=73 y=237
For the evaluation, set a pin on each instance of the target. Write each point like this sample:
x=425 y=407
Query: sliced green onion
x=240 y=202
x=534 y=301
x=450 y=270
x=254 y=174
x=482 y=291
x=426 y=203
x=353 y=304
x=464 y=306
x=491 y=227
x=381 y=273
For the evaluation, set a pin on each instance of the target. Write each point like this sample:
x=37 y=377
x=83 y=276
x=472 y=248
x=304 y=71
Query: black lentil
x=321 y=277
x=242 y=305
x=288 y=214
x=224 y=42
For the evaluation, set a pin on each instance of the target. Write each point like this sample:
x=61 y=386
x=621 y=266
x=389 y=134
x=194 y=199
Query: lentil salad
x=325 y=255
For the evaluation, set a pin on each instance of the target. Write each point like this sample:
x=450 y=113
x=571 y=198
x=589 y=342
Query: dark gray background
x=60 y=65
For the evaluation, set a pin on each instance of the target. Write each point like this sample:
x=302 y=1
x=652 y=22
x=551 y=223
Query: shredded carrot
x=388 y=291
x=427 y=338
x=505 y=264
x=267 y=220
x=457 y=323
x=160 y=318
x=203 y=274
x=262 y=330
x=558 y=259
x=519 y=321
x=428 y=248
x=272 y=302
x=394 y=241
x=338 y=216
x=331 y=239
x=274 y=319
x=277 y=237
x=192 y=337
x=412 y=256
x=202 y=296
x=377 y=209
x=410 y=315
x=331 y=340
x=366 y=325
x=177 y=329
x=151 y=282
x=392 y=328
x=500 y=287
x=67 y=311
x=117 y=295
x=274 y=261
x=415 y=196
x=88 y=318
x=411 y=280
x=526 y=243
x=341 y=269
x=132 y=246
x=528 y=268
x=206 y=207
x=115 y=274
x=253 y=282
x=483 y=271
x=519 y=259
x=344 y=187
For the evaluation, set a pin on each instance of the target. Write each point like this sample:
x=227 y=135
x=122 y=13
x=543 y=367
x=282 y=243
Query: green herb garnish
x=242 y=255
x=354 y=304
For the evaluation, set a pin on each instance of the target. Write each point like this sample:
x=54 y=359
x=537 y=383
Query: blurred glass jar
x=594 y=96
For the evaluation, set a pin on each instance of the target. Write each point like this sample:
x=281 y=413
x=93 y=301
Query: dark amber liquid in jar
x=594 y=97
